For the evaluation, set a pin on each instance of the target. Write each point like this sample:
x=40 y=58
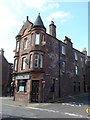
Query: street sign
x=43 y=81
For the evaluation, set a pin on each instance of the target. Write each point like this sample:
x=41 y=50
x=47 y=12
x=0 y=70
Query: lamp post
x=13 y=88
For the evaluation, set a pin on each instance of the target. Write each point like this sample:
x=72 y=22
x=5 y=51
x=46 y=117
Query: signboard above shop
x=22 y=76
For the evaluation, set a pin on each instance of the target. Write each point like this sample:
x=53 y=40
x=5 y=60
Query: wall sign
x=22 y=76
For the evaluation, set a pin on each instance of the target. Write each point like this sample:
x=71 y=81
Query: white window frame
x=76 y=70
x=15 y=64
x=36 y=60
x=17 y=46
x=23 y=63
x=76 y=57
x=37 y=40
x=41 y=61
x=25 y=43
x=63 y=50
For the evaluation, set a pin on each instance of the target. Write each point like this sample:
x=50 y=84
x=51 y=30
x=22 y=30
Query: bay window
x=36 y=59
x=41 y=61
x=31 y=61
x=37 y=40
x=15 y=64
x=23 y=63
x=17 y=46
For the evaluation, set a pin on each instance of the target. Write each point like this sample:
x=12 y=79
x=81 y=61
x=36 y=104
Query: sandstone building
x=46 y=68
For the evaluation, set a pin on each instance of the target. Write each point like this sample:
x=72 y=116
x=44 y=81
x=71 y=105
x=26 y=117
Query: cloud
x=7 y=20
x=59 y=15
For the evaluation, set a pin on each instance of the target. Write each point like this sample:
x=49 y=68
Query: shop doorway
x=35 y=90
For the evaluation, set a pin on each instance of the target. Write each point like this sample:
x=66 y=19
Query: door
x=35 y=90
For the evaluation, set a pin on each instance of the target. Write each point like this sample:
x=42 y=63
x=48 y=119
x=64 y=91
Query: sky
x=70 y=18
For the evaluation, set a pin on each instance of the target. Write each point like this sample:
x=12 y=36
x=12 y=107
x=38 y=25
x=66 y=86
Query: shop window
x=23 y=63
x=63 y=50
x=31 y=61
x=17 y=46
x=25 y=43
x=36 y=59
x=37 y=40
x=15 y=64
x=41 y=61
x=22 y=85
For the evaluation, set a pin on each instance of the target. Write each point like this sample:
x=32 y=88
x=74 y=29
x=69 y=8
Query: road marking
x=76 y=115
x=47 y=110
x=72 y=104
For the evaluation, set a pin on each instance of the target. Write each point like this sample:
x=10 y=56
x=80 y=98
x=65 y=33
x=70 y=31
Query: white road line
x=71 y=104
x=34 y=108
x=75 y=115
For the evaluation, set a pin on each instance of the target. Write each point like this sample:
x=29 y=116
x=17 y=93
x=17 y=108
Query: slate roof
x=38 y=22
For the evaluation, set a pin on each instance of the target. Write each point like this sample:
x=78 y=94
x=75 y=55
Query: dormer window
x=37 y=40
x=25 y=43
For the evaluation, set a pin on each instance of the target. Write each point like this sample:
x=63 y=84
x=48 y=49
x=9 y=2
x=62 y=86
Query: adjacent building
x=88 y=74
x=45 y=67
x=5 y=74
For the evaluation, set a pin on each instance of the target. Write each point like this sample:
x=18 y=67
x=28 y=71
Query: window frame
x=76 y=57
x=31 y=61
x=23 y=63
x=41 y=61
x=36 y=60
x=15 y=64
x=37 y=38
x=25 y=43
x=63 y=50
x=17 y=46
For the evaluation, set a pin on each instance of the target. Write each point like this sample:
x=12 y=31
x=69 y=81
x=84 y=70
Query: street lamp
x=13 y=88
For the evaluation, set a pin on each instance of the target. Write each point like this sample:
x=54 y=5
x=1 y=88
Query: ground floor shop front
x=29 y=87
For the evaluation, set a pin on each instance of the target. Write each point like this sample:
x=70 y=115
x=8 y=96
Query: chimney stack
x=2 y=52
x=52 y=29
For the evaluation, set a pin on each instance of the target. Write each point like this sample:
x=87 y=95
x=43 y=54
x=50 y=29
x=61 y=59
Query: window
x=23 y=63
x=32 y=39
x=41 y=61
x=15 y=64
x=22 y=85
x=31 y=61
x=63 y=50
x=17 y=47
x=36 y=58
x=42 y=40
x=76 y=70
x=25 y=43
x=37 y=39
x=82 y=62
x=76 y=58
x=74 y=86
x=79 y=86
x=63 y=66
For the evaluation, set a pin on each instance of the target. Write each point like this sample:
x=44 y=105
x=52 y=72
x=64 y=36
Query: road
x=75 y=108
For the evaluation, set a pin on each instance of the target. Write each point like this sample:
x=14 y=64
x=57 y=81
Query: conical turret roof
x=38 y=22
